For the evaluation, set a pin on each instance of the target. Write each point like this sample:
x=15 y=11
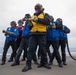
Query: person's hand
x=53 y=26
x=35 y=19
x=27 y=19
x=3 y=31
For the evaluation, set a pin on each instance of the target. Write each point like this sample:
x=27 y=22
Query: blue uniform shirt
x=52 y=33
x=26 y=31
x=62 y=34
x=14 y=36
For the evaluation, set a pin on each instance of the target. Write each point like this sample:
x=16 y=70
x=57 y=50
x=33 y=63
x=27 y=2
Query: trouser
x=6 y=46
x=48 y=43
x=55 y=51
x=33 y=41
x=18 y=41
x=23 y=46
x=17 y=46
x=62 y=43
x=39 y=53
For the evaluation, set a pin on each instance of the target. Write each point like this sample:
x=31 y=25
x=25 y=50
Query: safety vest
x=38 y=27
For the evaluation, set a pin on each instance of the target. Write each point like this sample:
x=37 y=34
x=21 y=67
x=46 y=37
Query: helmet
x=51 y=17
x=59 y=21
x=39 y=7
x=13 y=22
x=20 y=21
x=27 y=16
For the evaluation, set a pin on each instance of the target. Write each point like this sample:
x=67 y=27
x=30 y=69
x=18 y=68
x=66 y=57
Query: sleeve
x=44 y=21
x=23 y=31
x=66 y=30
x=7 y=30
x=16 y=33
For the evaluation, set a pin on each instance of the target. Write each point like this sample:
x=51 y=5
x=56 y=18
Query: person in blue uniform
x=63 y=31
x=20 y=28
x=53 y=39
x=24 y=41
x=11 y=35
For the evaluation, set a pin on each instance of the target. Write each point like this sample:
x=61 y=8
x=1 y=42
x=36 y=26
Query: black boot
x=23 y=59
x=14 y=64
x=40 y=65
x=10 y=60
x=35 y=62
x=60 y=65
x=50 y=63
x=47 y=66
x=26 y=68
x=64 y=63
x=2 y=63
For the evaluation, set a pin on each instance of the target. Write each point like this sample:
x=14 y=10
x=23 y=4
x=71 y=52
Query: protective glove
x=3 y=31
x=35 y=19
x=7 y=33
x=53 y=26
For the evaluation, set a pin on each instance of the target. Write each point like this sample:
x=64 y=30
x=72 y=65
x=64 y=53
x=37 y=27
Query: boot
x=23 y=59
x=64 y=63
x=14 y=64
x=50 y=63
x=26 y=68
x=40 y=65
x=10 y=60
x=36 y=62
x=47 y=66
x=2 y=63
x=60 y=65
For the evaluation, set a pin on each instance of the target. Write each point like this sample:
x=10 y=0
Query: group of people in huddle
x=39 y=31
